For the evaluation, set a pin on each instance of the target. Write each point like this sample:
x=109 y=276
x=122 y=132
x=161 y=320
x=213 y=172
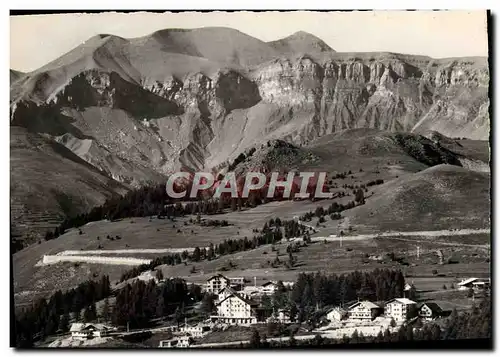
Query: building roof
x=435 y=308
x=220 y=276
x=466 y=281
x=269 y=283
x=245 y=300
x=366 y=303
x=77 y=327
x=228 y=289
x=404 y=301
x=336 y=308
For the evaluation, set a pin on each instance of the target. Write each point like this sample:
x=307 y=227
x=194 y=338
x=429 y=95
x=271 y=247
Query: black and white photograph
x=243 y=180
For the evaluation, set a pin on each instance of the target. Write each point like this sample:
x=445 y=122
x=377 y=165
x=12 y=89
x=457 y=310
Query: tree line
x=140 y=302
x=47 y=317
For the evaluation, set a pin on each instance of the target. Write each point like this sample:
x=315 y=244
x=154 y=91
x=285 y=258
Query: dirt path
x=399 y=234
x=484 y=246
x=125 y=251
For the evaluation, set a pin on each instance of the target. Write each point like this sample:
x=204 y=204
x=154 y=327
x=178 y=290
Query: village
x=237 y=303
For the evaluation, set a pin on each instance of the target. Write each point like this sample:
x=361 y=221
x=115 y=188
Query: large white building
x=400 y=309
x=235 y=309
x=363 y=310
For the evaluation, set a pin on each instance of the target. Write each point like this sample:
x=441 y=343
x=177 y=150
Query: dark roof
x=233 y=293
x=218 y=276
x=269 y=283
x=435 y=308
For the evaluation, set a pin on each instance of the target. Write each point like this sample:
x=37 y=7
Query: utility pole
x=128 y=329
x=418 y=252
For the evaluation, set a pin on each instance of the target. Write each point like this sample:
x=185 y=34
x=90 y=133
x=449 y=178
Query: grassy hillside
x=48 y=182
x=440 y=197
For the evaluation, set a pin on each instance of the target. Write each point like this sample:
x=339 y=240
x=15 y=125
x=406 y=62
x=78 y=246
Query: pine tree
x=255 y=339
x=318 y=340
x=64 y=322
x=77 y=315
x=90 y=313
x=360 y=196
x=207 y=304
x=160 y=307
x=179 y=315
x=105 y=310
x=159 y=275
x=196 y=254
x=355 y=337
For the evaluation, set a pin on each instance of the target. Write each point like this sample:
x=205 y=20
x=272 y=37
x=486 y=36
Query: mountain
x=301 y=43
x=50 y=182
x=134 y=110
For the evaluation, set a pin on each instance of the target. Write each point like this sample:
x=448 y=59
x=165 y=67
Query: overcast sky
x=38 y=39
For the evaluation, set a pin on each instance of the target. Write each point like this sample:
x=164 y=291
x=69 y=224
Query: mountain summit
x=301 y=42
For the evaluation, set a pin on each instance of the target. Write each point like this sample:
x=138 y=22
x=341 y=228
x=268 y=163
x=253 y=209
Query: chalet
x=84 y=331
x=196 y=331
x=178 y=342
x=475 y=283
x=269 y=288
x=430 y=310
x=235 y=309
x=363 y=310
x=400 y=309
x=336 y=314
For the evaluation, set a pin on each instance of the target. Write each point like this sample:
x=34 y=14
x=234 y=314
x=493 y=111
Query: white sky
x=38 y=39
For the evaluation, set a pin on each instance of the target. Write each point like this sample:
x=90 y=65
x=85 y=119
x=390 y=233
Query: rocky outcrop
x=386 y=93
